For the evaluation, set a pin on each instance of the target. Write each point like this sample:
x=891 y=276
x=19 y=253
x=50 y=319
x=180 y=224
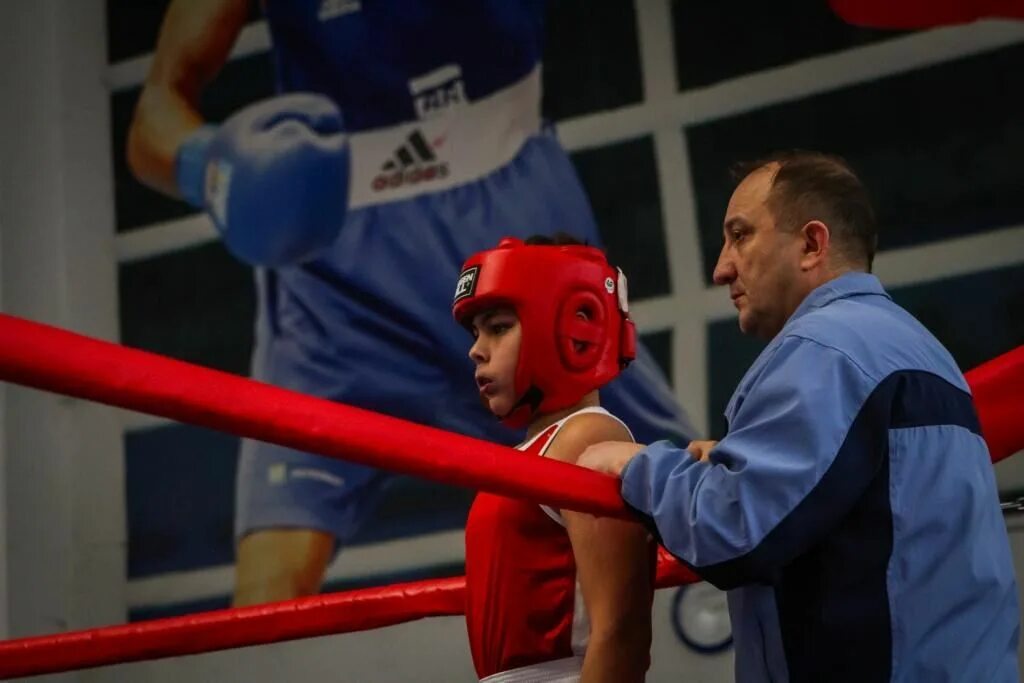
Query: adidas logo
x=413 y=162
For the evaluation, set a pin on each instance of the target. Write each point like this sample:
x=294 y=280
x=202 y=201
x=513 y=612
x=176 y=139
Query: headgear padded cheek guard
x=572 y=308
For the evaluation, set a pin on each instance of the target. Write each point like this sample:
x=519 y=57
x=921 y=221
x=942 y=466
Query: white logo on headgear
x=466 y=284
x=609 y=285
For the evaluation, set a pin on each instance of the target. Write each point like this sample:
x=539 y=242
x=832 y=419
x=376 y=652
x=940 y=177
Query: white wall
x=64 y=550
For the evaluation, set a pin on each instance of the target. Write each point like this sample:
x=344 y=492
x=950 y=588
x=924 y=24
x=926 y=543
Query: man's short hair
x=559 y=239
x=817 y=186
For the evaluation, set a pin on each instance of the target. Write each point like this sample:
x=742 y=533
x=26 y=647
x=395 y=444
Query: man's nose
x=725 y=269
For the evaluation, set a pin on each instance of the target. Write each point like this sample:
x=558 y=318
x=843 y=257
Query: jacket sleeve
x=801 y=449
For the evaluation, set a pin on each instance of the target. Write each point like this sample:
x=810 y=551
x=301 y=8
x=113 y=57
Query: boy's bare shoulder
x=583 y=430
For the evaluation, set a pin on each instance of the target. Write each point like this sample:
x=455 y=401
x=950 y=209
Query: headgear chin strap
x=572 y=307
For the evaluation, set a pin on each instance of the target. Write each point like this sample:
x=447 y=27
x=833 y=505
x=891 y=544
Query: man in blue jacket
x=851 y=509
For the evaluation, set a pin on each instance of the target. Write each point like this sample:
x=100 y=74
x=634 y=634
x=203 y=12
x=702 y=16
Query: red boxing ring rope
x=321 y=615
x=229 y=628
x=56 y=360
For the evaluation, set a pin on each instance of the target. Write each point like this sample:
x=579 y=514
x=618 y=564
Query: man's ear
x=817 y=244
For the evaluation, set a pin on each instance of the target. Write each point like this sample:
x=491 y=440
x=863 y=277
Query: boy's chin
x=496 y=407
x=486 y=403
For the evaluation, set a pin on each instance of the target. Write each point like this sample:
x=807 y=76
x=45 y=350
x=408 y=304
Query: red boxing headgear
x=563 y=355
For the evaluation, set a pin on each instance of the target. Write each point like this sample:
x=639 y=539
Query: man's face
x=759 y=261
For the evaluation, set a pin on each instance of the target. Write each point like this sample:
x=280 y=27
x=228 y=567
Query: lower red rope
x=229 y=628
x=359 y=610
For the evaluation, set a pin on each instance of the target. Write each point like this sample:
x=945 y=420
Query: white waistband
x=556 y=671
x=458 y=145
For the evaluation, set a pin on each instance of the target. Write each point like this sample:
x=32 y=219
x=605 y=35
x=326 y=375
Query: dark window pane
x=718 y=40
x=939 y=149
x=241 y=82
x=976 y=317
x=196 y=305
x=660 y=346
x=622 y=183
x=132 y=26
x=180 y=485
x=591 y=57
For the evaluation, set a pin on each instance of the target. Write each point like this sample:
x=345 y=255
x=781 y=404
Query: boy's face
x=495 y=352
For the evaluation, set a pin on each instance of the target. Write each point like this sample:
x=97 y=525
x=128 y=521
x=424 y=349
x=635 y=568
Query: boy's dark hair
x=810 y=186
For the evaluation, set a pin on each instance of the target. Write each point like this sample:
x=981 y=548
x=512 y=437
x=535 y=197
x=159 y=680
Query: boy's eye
x=498 y=328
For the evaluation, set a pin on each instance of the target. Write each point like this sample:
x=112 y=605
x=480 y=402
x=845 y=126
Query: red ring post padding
x=998 y=390
x=920 y=14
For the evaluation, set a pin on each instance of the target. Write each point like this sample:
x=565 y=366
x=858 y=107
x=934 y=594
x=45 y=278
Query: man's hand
x=609 y=457
x=701 y=449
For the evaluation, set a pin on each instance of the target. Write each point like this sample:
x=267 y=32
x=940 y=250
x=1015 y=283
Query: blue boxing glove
x=274 y=178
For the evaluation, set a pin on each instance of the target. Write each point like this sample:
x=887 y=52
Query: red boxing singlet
x=522 y=606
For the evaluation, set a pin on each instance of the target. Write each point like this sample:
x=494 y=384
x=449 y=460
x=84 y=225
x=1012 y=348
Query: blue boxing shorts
x=368 y=322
